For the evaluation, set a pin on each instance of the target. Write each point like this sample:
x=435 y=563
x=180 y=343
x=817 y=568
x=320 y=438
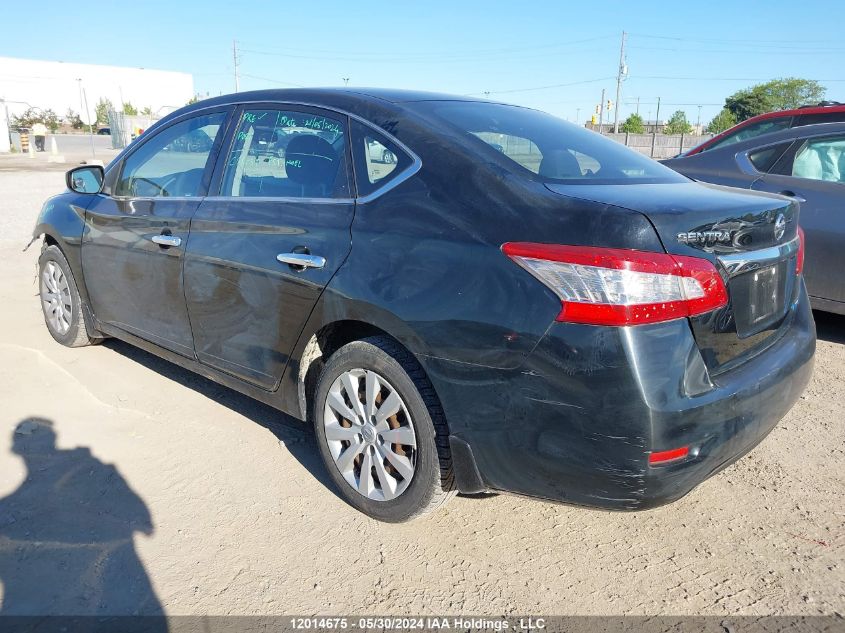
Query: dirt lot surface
x=214 y=504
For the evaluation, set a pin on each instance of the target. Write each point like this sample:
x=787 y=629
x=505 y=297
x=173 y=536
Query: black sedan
x=806 y=164
x=510 y=303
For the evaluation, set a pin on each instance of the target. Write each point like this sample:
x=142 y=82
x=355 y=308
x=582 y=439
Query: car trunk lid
x=751 y=239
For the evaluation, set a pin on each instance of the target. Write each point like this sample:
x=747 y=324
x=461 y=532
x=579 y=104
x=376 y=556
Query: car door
x=265 y=246
x=813 y=172
x=136 y=234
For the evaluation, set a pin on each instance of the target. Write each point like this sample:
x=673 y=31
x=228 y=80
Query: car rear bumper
x=590 y=404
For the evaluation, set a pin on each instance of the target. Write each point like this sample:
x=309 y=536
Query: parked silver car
x=806 y=164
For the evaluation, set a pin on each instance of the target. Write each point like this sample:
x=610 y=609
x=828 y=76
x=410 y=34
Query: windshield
x=552 y=149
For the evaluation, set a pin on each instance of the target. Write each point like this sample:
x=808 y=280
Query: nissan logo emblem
x=780 y=227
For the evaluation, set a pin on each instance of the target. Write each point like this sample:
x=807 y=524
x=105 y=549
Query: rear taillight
x=799 y=259
x=612 y=286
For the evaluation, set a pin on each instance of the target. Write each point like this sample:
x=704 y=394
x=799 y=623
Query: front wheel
x=381 y=431
x=60 y=300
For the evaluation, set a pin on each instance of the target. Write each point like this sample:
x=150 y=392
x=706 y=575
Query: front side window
x=821 y=159
x=549 y=148
x=753 y=130
x=287 y=154
x=173 y=161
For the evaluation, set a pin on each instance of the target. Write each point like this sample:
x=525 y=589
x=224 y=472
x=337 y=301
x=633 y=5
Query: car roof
x=789 y=134
x=839 y=107
x=329 y=96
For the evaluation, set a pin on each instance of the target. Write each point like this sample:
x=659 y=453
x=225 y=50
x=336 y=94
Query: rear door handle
x=303 y=260
x=166 y=240
x=793 y=195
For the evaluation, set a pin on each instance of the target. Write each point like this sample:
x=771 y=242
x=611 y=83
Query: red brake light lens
x=611 y=286
x=664 y=457
x=799 y=260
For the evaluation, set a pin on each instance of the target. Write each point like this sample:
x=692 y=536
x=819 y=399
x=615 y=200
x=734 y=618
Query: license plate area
x=759 y=298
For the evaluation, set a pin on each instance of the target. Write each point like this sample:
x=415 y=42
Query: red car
x=825 y=112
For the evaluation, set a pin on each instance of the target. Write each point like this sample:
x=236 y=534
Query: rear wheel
x=381 y=431
x=60 y=300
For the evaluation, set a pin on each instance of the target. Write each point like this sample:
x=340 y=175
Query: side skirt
x=271 y=398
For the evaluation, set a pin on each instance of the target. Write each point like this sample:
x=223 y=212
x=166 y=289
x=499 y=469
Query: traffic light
x=593 y=119
x=609 y=105
x=598 y=109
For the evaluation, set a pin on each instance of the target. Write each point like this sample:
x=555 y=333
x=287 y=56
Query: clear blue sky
x=688 y=53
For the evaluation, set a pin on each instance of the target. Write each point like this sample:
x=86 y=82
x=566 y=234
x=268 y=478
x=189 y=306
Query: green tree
x=50 y=119
x=193 y=100
x=31 y=116
x=634 y=124
x=101 y=110
x=721 y=122
x=777 y=94
x=27 y=118
x=678 y=124
x=73 y=119
x=147 y=111
x=129 y=109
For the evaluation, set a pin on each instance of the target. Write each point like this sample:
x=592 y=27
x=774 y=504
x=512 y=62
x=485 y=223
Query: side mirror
x=85 y=179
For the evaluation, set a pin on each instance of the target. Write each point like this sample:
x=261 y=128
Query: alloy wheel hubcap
x=55 y=298
x=370 y=434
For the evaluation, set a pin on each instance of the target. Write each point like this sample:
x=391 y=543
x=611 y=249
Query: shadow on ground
x=66 y=534
x=830 y=327
x=296 y=436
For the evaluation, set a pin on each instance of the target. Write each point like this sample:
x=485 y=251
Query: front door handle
x=302 y=260
x=166 y=240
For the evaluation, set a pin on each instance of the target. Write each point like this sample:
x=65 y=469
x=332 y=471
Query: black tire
x=76 y=335
x=433 y=482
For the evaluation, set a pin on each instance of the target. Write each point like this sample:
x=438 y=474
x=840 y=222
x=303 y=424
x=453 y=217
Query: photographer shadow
x=66 y=535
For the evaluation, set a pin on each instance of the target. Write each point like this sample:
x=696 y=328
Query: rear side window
x=836 y=116
x=551 y=149
x=754 y=129
x=378 y=160
x=173 y=161
x=287 y=154
x=765 y=158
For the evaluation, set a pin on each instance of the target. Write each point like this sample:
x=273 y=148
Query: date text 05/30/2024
x=418 y=623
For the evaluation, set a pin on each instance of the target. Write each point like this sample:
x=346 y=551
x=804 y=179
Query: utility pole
x=638 y=105
x=657 y=116
x=578 y=115
x=623 y=70
x=83 y=103
x=601 y=110
x=235 y=64
x=698 y=125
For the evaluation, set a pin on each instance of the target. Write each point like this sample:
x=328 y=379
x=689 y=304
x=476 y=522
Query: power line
x=377 y=55
x=273 y=81
x=574 y=83
x=738 y=41
x=721 y=78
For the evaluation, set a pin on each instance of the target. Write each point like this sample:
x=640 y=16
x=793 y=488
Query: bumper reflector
x=664 y=457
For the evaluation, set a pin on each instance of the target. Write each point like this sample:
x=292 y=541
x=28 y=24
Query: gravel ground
x=186 y=496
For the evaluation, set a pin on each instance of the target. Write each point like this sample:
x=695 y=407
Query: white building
x=61 y=86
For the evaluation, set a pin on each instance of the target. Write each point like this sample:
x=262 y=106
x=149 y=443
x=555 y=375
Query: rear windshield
x=552 y=149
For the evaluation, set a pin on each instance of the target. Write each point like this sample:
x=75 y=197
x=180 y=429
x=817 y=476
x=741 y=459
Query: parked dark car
x=806 y=164
x=770 y=122
x=104 y=131
x=557 y=317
